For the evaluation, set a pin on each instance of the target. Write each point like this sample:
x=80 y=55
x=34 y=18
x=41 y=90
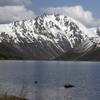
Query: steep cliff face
x=46 y=37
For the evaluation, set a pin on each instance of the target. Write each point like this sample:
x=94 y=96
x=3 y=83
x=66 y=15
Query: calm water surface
x=51 y=77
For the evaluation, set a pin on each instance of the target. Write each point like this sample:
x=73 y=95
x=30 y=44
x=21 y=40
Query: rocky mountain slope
x=46 y=37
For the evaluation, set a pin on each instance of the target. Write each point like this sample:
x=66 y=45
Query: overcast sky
x=85 y=11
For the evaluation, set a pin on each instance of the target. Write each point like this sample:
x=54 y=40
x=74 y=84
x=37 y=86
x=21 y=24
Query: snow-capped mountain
x=46 y=36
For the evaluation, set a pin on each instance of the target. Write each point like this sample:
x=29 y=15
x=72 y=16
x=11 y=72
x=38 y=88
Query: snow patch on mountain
x=94 y=32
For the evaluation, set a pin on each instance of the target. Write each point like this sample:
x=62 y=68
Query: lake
x=45 y=80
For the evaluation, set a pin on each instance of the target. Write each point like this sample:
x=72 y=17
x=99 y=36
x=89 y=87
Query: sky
x=92 y=5
x=85 y=11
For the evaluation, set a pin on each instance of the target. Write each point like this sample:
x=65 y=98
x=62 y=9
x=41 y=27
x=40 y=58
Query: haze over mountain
x=48 y=37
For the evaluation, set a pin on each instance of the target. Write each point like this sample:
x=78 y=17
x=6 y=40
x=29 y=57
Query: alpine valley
x=49 y=37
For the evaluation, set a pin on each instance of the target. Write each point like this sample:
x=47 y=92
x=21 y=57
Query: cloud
x=13 y=13
x=12 y=10
x=77 y=12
